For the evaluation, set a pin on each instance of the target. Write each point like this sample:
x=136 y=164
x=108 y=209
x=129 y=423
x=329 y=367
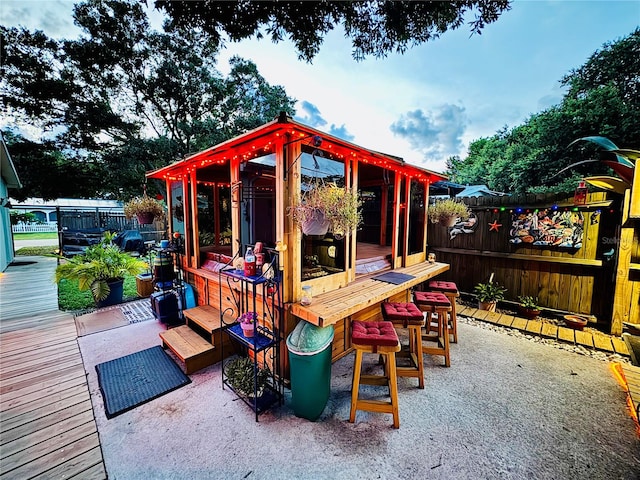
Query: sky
x=431 y=102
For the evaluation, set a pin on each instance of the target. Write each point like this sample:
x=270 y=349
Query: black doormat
x=394 y=277
x=129 y=381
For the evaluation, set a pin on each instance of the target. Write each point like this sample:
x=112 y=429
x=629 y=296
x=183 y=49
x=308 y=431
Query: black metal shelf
x=264 y=347
x=262 y=338
x=268 y=399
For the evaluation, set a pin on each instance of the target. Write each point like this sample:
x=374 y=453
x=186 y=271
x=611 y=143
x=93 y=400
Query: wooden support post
x=622 y=295
x=193 y=232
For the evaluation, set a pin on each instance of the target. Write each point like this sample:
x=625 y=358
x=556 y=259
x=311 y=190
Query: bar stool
x=380 y=338
x=407 y=315
x=450 y=289
x=438 y=303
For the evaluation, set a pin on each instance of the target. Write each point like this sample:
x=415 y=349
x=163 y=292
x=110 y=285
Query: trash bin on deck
x=310 y=361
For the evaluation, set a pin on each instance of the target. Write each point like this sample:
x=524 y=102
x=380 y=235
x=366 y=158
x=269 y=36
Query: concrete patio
x=506 y=408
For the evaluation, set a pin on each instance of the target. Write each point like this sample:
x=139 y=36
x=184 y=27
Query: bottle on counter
x=249 y=263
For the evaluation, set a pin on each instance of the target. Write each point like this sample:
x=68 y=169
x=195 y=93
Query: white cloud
x=437 y=133
x=312 y=116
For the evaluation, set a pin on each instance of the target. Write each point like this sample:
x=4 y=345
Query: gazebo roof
x=262 y=141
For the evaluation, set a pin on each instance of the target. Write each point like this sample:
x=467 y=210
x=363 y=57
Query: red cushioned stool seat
x=409 y=316
x=374 y=334
x=381 y=338
x=435 y=303
x=406 y=313
x=431 y=299
x=441 y=286
x=450 y=289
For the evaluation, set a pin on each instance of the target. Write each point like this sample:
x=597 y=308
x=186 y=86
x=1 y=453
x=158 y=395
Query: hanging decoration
x=547 y=227
x=495 y=226
x=580 y=195
x=464 y=226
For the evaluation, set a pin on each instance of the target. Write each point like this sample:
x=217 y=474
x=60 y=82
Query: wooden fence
x=576 y=280
x=78 y=220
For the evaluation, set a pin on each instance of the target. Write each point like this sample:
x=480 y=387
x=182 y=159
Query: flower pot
x=490 y=306
x=577 y=322
x=247 y=329
x=116 y=288
x=316 y=225
x=528 y=313
x=448 y=221
x=145 y=218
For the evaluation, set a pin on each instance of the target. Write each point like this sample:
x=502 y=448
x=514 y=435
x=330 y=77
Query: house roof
x=68 y=203
x=478 y=191
x=7 y=169
x=263 y=139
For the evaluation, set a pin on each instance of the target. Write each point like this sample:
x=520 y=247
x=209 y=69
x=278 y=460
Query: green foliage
x=375 y=27
x=489 y=292
x=20 y=216
x=98 y=265
x=124 y=98
x=442 y=210
x=71 y=298
x=340 y=207
x=527 y=301
x=240 y=375
x=603 y=99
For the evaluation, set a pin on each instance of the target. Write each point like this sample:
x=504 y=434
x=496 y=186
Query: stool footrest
x=374 y=380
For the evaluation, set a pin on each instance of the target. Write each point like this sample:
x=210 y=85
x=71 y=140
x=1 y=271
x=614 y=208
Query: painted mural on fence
x=548 y=227
x=464 y=226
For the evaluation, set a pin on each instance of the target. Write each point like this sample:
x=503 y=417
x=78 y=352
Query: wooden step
x=207 y=318
x=188 y=346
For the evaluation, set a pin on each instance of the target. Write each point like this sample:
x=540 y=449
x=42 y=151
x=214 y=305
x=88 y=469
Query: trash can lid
x=307 y=339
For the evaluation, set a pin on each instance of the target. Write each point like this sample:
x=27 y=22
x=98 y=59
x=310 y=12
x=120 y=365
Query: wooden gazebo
x=238 y=193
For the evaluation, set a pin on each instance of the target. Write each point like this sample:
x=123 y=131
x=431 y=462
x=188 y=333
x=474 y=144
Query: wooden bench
x=188 y=346
x=207 y=318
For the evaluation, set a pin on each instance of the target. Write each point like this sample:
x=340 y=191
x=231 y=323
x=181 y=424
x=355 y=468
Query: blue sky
x=432 y=101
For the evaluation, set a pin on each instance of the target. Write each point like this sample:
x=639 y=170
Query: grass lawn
x=44 y=251
x=35 y=236
x=70 y=298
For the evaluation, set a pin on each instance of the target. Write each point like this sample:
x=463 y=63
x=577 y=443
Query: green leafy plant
x=143 y=205
x=489 y=292
x=340 y=208
x=527 y=301
x=240 y=375
x=98 y=266
x=442 y=210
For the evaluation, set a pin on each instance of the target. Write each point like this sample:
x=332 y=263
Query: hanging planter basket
x=316 y=225
x=145 y=218
x=448 y=221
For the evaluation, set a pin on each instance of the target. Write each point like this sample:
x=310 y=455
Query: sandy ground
x=507 y=408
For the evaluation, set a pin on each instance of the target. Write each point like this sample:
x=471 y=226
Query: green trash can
x=310 y=361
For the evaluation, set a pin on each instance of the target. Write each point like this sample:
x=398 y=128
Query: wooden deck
x=47 y=426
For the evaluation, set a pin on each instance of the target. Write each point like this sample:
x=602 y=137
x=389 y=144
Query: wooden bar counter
x=331 y=307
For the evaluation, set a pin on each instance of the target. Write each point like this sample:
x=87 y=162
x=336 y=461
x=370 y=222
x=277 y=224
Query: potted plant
x=245 y=377
x=327 y=208
x=528 y=306
x=489 y=294
x=247 y=323
x=101 y=268
x=144 y=208
x=448 y=212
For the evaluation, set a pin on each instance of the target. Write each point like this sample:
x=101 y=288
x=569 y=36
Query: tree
x=129 y=98
x=602 y=99
x=375 y=27
x=45 y=172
